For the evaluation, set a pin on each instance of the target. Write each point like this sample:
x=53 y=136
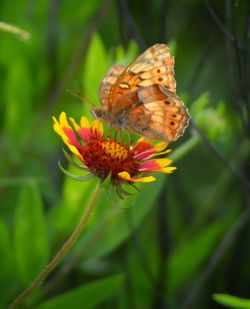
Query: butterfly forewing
x=154 y=66
x=108 y=81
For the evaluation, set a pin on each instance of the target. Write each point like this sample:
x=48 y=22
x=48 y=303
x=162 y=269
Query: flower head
x=105 y=157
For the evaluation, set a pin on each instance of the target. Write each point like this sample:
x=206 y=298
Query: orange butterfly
x=141 y=98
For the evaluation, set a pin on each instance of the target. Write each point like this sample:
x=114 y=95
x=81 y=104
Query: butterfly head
x=112 y=121
x=97 y=113
x=101 y=114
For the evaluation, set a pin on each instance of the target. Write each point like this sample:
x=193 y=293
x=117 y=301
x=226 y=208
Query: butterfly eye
x=97 y=113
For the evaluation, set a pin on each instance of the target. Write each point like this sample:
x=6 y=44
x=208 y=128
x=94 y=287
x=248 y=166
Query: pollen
x=115 y=150
x=108 y=156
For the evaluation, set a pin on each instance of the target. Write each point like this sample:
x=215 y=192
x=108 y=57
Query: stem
x=62 y=252
x=185 y=148
x=20 y=33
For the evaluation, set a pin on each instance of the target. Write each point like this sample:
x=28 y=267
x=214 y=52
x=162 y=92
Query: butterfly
x=141 y=98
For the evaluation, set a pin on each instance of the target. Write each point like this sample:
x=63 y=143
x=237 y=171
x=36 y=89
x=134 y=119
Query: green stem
x=62 y=252
x=20 y=33
x=185 y=148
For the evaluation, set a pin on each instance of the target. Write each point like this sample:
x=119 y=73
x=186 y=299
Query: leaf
x=232 y=301
x=204 y=114
x=186 y=260
x=7 y=274
x=30 y=236
x=81 y=15
x=18 y=109
x=86 y=296
x=5 y=252
x=126 y=57
x=200 y=104
x=95 y=67
x=173 y=47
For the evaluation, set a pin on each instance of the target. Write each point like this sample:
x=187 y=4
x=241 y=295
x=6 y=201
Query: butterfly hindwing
x=153 y=112
x=169 y=116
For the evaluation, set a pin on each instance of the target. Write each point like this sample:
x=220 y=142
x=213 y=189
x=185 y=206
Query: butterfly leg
x=125 y=135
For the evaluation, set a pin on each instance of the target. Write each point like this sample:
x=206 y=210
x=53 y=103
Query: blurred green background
x=186 y=237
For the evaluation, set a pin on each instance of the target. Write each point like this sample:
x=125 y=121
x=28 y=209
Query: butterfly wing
x=108 y=81
x=155 y=113
x=154 y=66
x=167 y=114
x=142 y=99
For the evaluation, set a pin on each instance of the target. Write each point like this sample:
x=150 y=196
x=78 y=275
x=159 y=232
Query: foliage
x=232 y=301
x=180 y=239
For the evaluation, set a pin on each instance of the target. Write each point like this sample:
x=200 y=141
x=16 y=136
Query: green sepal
x=75 y=177
x=71 y=161
x=122 y=193
x=107 y=181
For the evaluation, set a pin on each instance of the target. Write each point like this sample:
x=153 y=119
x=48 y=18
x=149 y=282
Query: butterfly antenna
x=80 y=97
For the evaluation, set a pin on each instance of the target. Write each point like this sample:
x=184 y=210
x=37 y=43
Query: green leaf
x=200 y=104
x=107 y=182
x=186 y=260
x=5 y=251
x=173 y=47
x=204 y=114
x=86 y=296
x=81 y=15
x=18 y=81
x=7 y=274
x=95 y=67
x=126 y=57
x=232 y=301
x=30 y=236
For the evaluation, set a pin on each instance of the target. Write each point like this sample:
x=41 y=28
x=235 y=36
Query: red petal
x=143 y=149
x=71 y=137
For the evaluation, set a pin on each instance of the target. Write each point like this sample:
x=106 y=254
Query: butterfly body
x=142 y=99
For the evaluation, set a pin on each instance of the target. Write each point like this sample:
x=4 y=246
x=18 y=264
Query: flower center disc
x=105 y=156
x=115 y=150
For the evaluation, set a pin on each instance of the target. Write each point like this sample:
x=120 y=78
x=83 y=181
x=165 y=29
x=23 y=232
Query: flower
x=106 y=157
